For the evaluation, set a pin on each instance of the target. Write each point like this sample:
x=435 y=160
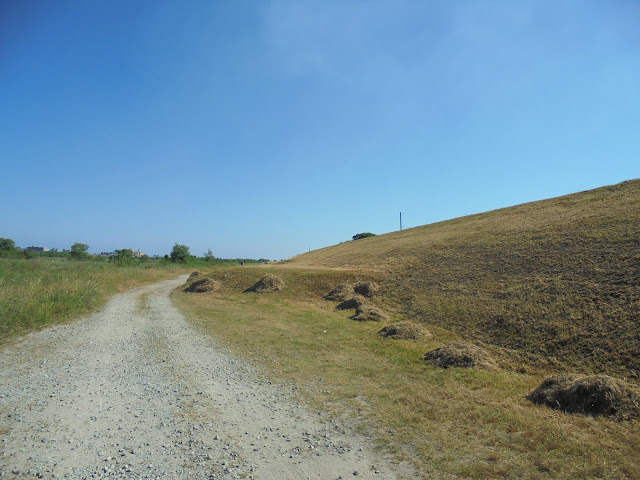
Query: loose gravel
x=135 y=392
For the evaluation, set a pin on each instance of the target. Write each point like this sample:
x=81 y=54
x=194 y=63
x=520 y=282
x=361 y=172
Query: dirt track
x=135 y=392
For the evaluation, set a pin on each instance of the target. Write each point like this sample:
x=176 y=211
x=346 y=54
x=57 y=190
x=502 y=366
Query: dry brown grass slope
x=554 y=283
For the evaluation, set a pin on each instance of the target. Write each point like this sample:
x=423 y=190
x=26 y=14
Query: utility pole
x=400 y=220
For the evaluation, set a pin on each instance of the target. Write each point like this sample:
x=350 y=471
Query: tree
x=209 y=256
x=123 y=257
x=7 y=247
x=180 y=254
x=79 y=251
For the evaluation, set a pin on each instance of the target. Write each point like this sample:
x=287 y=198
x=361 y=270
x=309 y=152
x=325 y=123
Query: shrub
x=358 y=236
x=180 y=254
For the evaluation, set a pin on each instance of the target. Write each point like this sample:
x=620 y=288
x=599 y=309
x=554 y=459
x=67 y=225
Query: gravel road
x=136 y=392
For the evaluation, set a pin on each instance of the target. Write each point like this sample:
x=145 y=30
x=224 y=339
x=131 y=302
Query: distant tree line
x=80 y=252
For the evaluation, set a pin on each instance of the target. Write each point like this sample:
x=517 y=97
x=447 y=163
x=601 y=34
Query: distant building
x=107 y=254
x=37 y=249
x=138 y=254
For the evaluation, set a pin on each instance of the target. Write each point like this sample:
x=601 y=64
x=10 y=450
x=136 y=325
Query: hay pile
x=367 y=289
x=204 y=284
x=268 y=283
x=355 y=297
x=405 y=331
x=367 y=313
x=460 y=355
x=342 y=292
x=193 y=276
x=355 y=301
x=589 y=395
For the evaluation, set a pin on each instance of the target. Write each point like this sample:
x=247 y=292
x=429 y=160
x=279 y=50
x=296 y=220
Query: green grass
x=44 y=291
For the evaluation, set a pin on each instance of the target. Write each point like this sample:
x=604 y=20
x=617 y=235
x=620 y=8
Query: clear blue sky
x=264 y=128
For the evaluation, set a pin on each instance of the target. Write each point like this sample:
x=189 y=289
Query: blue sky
x=265 y=128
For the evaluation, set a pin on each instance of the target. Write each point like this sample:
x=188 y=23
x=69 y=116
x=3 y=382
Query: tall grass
x=39 y=292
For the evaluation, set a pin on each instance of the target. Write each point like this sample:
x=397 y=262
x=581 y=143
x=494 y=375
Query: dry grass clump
x=340 y=293
x=366 y=289
x=405 y=331
x=268 y=283
x=589 y=395
x=202 y=285
x=355 y=301
x=367 y=313
x=193 y=276
x=460 y=354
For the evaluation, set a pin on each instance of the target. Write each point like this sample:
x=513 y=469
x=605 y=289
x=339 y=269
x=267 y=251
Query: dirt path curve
x=135 y=392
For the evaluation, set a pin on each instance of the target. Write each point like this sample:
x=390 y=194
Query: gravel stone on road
x=135 y=392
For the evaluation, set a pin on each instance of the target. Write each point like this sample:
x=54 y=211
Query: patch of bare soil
x=589 y=395
x=405 y=331
x=268 y=283
x=460 y=354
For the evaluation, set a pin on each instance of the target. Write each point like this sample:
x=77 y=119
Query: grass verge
x=454 y=423
x=40 y=292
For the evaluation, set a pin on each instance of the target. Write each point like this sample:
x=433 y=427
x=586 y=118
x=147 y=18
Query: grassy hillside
x=554 y=283
x=545 y=286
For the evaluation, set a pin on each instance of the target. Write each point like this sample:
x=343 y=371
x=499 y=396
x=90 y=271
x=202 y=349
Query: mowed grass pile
x=39 y=292
x=449 y=423
x=552 y=284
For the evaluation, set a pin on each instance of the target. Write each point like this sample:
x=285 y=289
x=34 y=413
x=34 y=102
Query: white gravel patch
x=134 y=392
